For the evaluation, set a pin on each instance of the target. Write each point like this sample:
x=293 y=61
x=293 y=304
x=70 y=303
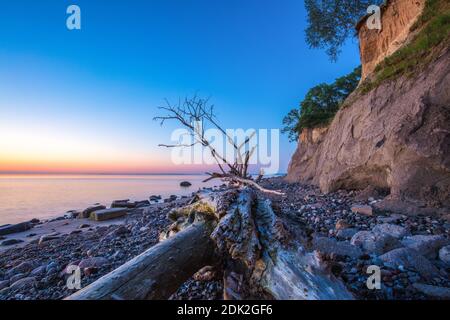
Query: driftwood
x=158 y=272
x=259 y=257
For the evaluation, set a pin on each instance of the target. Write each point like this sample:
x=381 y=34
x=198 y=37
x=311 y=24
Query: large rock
x=395 y=137
x=444 y=254
x=23 y=283
x=340 y=248
x=87 y=212
x=10 y=242
x=185 y=184
x=410 y=258
x=24 y=267
x=428 y=246
x=391 y=229
x=433 y=291
x=15 y=228
x=95 y=262
x=375 y=242
x=108 y=214
x=361 y=209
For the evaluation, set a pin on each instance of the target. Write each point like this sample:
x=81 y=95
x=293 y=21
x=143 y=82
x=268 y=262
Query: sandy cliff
x=397 y=17
x=395 y=137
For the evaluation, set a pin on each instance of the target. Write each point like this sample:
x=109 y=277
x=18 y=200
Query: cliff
x=397 y=17
x=395 y=137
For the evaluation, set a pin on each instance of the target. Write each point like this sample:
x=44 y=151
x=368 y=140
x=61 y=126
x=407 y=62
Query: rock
x=340 y=248
x=39 y=271
x=374 y=242
x=390 y=219
x=15 y=228
x=155 y=198
x=411 y=259
x=341 y=224
x=52 y=267
x=84 y=226
x=108 y=214
x=17 y=277
x=73 y=214
x=23 y=283
x=10 y=242
x=87 y=212
x=391 y=229
x=49 y=237
x=123 y=204
x=4 y=284
x=361 y=209
x=433 y=291
x=428 y=246
x=185 y=184
x=346 y=234
x=94 y=262
x=140 y=204
x=24 y=267
x=444 y=254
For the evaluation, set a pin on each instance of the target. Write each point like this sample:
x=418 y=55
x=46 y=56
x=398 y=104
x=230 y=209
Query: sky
x=83 y=101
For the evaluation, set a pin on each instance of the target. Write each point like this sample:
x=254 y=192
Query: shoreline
x=329 y=223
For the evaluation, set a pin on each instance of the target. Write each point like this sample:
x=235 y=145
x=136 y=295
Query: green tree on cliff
x=320 y=105
x=331 y=22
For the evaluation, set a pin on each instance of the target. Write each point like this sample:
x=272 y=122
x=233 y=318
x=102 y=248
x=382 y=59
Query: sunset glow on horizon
x=84 y=101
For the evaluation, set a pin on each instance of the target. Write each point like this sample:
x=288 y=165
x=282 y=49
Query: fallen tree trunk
x=158 y=272
x=259 y=258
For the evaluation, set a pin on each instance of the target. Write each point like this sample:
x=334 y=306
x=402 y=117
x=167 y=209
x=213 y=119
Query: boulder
x=155 y=198
x=4 y=284
x=108 y=214
x=375 y=242
x=410 y=258
x=10 y=242
x=49 y=237
x=87 y=212
x=391 y=229
x=15 y=228
x=340 y=248
x=23 y=283
x=185 y=184
x=17 y=277
x=428 y=246
x=346 y=234
x=361 y=209
x=341 y=224
x=123 y=204
x=24 y=267
x=94 y=262
x=433 y=291
x=444 y=254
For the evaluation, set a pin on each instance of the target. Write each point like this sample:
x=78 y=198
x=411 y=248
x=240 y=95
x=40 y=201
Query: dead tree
x=195 y=114
x=236 y=229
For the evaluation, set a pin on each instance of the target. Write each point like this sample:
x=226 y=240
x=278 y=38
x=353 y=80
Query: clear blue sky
x=97 y=89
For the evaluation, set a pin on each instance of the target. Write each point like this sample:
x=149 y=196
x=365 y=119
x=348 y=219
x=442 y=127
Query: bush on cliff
x=320 y=105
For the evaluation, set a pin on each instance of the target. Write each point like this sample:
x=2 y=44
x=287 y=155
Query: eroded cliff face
x=397 y=17
x=395 y=137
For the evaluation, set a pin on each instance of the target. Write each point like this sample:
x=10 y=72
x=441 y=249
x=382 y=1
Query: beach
x=346 y=228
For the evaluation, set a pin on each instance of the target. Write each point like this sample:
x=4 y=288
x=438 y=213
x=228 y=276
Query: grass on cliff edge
x=434 y=26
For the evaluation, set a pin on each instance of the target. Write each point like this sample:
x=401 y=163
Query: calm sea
x=24 y=197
